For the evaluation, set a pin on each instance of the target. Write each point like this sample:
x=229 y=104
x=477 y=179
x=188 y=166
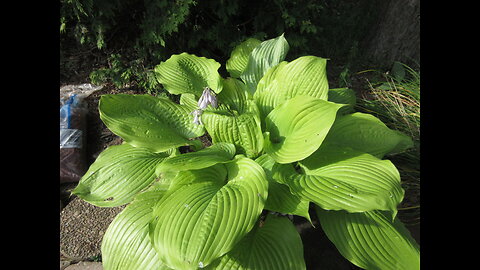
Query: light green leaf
x=305 y=76
x=366 y=133
x=266 y=55
x=126 y=243
x=207 y=212
x=343 y=96
x=243 y=130
x=217 y=153
x=268 y=81
x=370 y=240
x=295 y=129
x=147 y=121
x=188 y=73
x=238 y=60
x=189 y=100
x=118 y=174
x=344 y=179
x=233 y=95
x=275 y=244
x=280 y=199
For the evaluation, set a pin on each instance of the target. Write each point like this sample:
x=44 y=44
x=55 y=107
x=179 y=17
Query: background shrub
x=126 y=39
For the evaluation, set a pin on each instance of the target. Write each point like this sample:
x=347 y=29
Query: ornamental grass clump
x=394 y=98
x=282 y=142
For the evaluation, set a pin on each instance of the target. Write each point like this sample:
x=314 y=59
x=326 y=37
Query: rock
x=82 y=227
x=85 y=266
x=64 y=264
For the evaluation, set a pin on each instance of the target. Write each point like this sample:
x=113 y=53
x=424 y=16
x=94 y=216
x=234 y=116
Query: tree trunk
x=396 y=36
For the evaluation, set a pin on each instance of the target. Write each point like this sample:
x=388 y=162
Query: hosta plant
x=282 y=142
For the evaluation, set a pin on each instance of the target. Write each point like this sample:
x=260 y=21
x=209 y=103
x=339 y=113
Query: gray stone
x=85 y=266
x=82 y=227
x=64 y=264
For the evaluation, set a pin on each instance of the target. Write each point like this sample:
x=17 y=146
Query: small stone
x=85 y=266
x=64 y=264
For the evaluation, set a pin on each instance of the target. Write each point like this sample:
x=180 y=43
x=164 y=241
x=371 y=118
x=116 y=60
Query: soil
x=82 y=228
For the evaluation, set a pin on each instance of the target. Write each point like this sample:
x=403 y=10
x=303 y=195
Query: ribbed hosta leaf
x=234 y=95
x=366 y=133
x=126 y=244
x=295 y=129
x=217 y=153
x=370 y=240
x=188 y=73
x=151 y=122
x=280 y=199
x=268 y=81
x=238 y=60
x=305 y=76
x=343 y=96
x=118 y=174
x=266 y=55
x=189 y=100
x=243 y=130
x=344 y=179
x=274 y=245
x=206 y=212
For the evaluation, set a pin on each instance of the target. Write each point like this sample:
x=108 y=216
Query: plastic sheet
x=73 y=114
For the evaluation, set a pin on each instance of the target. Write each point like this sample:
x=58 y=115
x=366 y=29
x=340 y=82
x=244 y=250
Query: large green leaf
x=274 y=244
x=243 y=130
x=238 y=60
x=295 y=129
x=280 y=199
x=266 y=55
x=343 y=96
x=147 y=121
x=189 y=100
x=188 y=73
x=206 y=212
x=118 y=174
x=304 y=76
x=370 y=240
x=233 y=95
x=366 y=133
x=268 y=81
x=338 y=178
x=217 y=153
x=126 y=244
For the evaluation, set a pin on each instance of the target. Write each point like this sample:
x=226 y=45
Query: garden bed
x=319 y=252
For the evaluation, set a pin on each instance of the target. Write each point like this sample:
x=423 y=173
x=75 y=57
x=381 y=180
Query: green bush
x=123 y=74
x=146 y=32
